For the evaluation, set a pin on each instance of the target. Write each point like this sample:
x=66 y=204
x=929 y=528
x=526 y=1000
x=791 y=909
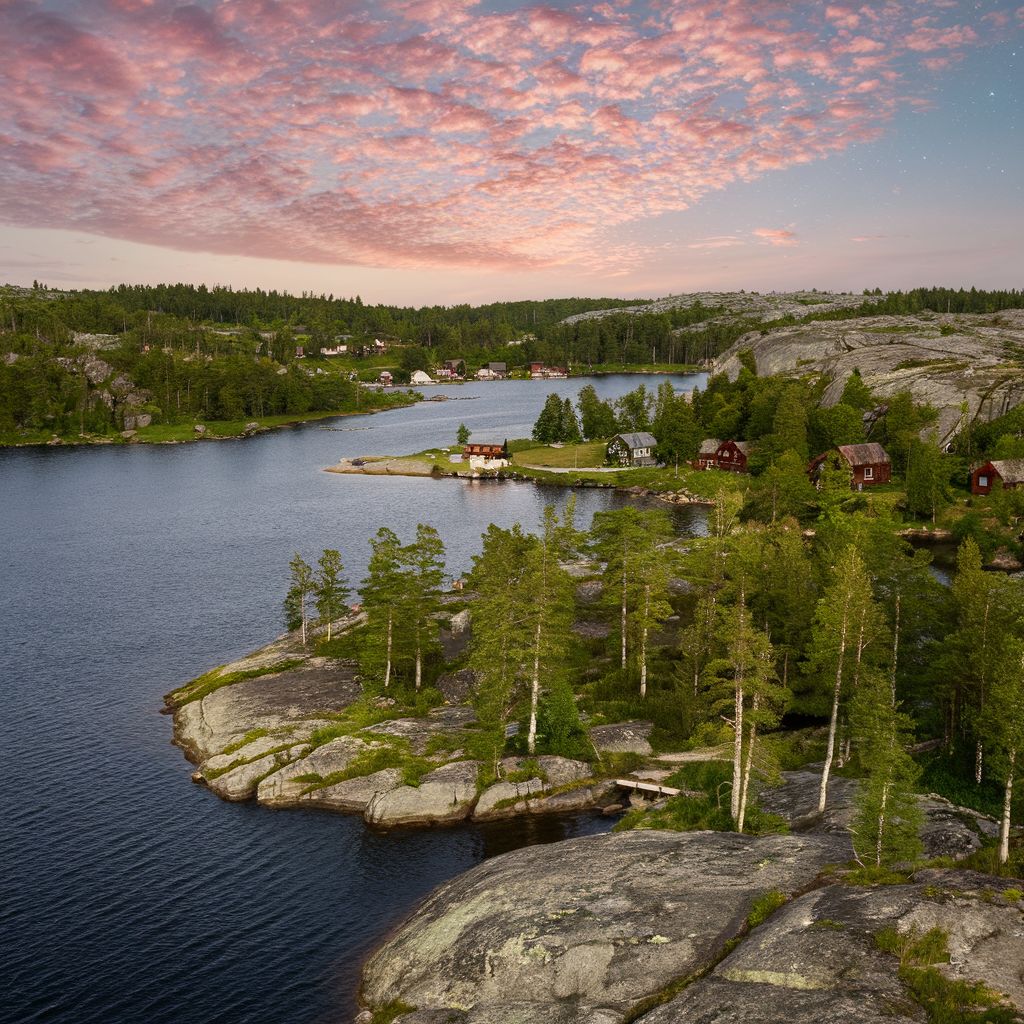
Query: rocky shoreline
x=404 y=465
x=271 y=728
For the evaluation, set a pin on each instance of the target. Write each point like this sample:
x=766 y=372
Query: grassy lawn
x=583 y=455
x=583 y=371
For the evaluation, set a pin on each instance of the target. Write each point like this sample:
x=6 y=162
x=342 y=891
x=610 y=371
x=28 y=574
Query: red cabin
x=1008 y=472
x=717 y=454
x=486 y=451
x=869 y=464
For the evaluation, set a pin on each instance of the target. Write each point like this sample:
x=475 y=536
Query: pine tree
x=597 y=418
x=626 y=540
x=296 y=602
x=330 y=589
x=462 y=435
x=549 y=592
x=503 y=629
x=927 y=479
x=382 y=592
x=549 y=422
x=424 y=562
x=887 y=818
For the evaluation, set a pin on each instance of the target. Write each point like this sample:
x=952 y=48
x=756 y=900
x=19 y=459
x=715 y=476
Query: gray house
x=633 y=449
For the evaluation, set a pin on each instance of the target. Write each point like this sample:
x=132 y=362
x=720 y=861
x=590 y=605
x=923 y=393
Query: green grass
x=390 y=1012
x=598 y=368
x=205 y=684
x=250 y=737
x=944 y=1000
x=585 y=454
x=367 y=763
x=764 y=906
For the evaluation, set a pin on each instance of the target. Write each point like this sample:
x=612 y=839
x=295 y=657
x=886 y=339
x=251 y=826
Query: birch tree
x=743 y=673
x=846 y=623
x=296 y=602
x=1004 y=721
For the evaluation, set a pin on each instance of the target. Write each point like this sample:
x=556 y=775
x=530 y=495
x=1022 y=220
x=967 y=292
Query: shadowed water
x=127 y=893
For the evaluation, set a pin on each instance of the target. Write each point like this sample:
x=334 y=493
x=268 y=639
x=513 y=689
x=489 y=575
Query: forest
x=777 y=646
x=74 y=363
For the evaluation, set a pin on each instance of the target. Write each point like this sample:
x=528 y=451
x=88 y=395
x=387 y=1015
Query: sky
x=441 y=151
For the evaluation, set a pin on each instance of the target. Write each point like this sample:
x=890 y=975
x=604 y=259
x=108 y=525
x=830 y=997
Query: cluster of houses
x=868 y=464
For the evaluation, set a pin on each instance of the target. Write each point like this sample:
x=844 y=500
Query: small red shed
x=733 y=456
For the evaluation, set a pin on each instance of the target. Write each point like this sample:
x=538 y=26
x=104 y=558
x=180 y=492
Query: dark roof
x=640 y=439
x=869 y=454
x=743 y=446
x=1010 y=470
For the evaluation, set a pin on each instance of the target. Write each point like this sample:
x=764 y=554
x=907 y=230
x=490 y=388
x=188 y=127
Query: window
x=869 y=472
x=983 y=481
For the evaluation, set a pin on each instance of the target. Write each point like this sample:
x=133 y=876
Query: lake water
x=127 y=893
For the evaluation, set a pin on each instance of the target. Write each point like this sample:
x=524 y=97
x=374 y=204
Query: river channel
x=127 y=893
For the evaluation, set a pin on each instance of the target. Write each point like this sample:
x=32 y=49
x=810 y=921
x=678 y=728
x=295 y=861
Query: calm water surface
x=126 y=892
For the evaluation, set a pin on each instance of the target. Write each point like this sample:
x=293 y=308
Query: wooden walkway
x=646 y=787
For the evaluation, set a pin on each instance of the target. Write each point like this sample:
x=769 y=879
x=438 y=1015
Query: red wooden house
x=717 y=454
x=869 y=464
x=1008 y=472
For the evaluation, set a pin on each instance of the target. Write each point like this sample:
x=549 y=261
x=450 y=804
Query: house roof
x=640 y=439
x=1011 y=470
x=710 y=445
x=743 y=446
x=869 y=454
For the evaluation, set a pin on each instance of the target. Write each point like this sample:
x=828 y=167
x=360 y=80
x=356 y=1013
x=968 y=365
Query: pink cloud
x=427 y=132
x=781 y=237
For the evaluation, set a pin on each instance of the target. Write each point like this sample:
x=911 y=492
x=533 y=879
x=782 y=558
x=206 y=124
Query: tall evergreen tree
x=382 y=592
x=424 y=562
x=887 y=817
x=329 y=588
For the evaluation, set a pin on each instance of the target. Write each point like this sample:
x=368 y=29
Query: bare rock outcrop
x=941 y=360
x=583 y=930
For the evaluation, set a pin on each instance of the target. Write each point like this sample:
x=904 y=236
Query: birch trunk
x=830 y=748
x=387 y=655
x=643 y=642
x=737 y=753
x=623 y=617
x=531 y=739
x=747 y=767
x=419 y=663
x=881 y=825
x=1004 y=828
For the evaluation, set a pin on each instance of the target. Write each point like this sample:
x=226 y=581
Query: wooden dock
x=644 y=788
